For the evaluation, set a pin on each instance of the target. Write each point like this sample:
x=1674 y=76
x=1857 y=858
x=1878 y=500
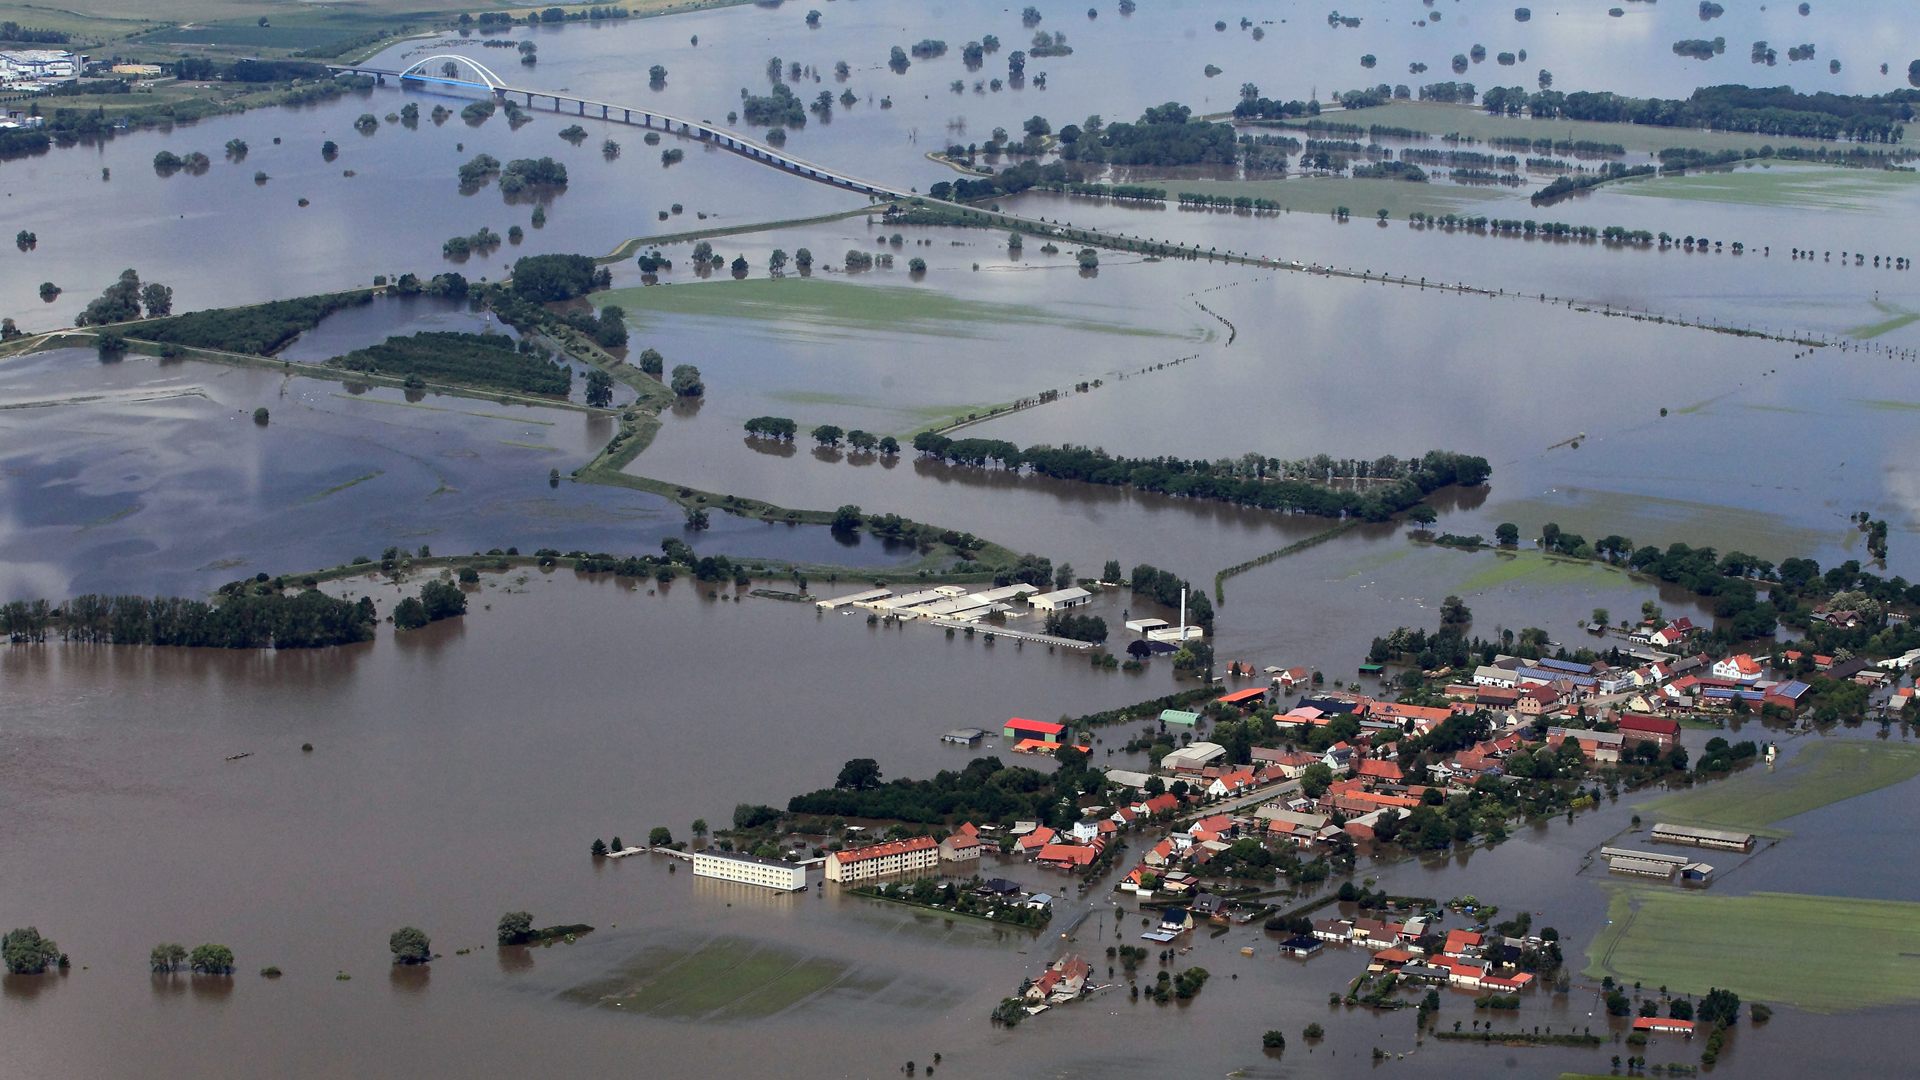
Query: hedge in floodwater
x=261 y=329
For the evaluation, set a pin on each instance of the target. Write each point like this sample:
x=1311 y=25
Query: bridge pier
x=583 y=108
x=603 y=112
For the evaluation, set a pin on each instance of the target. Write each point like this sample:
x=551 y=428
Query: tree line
x=485 y=360
x=1761 y=110
x=1217 y=481
x=243 y=615
x=984 y=792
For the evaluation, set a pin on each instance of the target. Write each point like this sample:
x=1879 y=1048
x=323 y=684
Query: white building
x=1193 y=757
x=1062 y=599
x=880 y=860
x=750 y=870
x=28 y=65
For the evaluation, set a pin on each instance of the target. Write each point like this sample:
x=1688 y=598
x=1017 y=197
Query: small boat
x=237 y=757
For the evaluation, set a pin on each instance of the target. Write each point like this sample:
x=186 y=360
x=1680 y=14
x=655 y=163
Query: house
x=1068 y=856
x=1503 y=678
x=961 y=847
x=1740 y=669
x=1338 y=757
x=1126 y=778
x=1040 y=901
x=1595 y=745
x=1086 y=831
x=1161 y=855
x=998 y=887
x=1391 y=959
x=1658 y=730
x=1673 y=633
x=1231 y=783
x=1655 y=1023
x=1338 y=930
x=1377 y=770
x=898 y=856
x=1494 y=697
x=1061 y=599
x=1292 y=679
x=1040 y=837
x=1461 y=944
x=1538 y=699
x=1302 y=946
x=1175 y=920
x=1466 y=973
x=1290 y=763
x=1044 y=730
x=1159 y=804
x=1208 y=906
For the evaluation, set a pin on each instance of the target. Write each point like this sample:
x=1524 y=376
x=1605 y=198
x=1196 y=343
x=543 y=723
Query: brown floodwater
x=460 y=771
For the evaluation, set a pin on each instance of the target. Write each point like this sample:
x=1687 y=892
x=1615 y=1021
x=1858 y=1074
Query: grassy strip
x=1822 y=774
x=1823 y=954
x=633 y=247
x=1518 y=1038
x=1220 y=578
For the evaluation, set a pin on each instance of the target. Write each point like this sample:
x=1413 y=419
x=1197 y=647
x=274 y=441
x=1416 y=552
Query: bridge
x=452 y=69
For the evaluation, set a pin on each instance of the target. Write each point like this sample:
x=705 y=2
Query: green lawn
x=1534 y=569
x=818 y=303
x=1817 y=953
x=1808 y=187
x=1819 y=775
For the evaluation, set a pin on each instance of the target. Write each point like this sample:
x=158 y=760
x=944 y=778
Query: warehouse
x=1696 y=837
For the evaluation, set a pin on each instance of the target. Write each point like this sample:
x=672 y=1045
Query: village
x=1249 y=800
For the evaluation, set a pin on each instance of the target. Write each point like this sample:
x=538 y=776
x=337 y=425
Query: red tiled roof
x=1045 y=727
x=878 y=851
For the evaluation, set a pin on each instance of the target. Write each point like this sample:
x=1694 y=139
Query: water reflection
x=409 y=980
x=514 y=959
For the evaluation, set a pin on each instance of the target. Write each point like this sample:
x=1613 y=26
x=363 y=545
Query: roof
x=1655 y=1023
x=1179 y=716
x=1061 y=596
x=1251 y=694
x=1385 y=770
x=881 y=851
x=1077 y=854
x=1656 y=724
x=1046 y=727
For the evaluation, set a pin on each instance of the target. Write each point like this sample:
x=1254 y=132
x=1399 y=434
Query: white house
x=1742 y=668
x=1495 y=676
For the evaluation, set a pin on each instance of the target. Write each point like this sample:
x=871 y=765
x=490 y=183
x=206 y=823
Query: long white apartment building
x=750 y=870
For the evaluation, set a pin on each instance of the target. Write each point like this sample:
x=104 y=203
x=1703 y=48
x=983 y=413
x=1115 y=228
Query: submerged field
x=1817 y=953
x=1821 y=774
x=1816 y=187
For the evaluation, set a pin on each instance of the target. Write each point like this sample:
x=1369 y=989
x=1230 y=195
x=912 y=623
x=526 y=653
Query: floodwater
x=450 y=782
x=151 y=477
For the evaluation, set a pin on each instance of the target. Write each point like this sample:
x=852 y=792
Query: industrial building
x=750 y=870
x=1644 y=863
x=1724 y=839
x=1061 y=599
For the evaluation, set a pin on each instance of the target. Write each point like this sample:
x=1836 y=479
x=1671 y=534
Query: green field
x=1531 y=568
x=719 y=979
x=1440 y=119
x=1897 y=317
x=1819 y=775
x=1806 y=187
x=818 y=304
x=1817 y=953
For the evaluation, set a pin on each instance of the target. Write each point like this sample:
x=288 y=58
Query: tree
x=119 y=303
x=515 y=928
x=1063 y=577
x=167 y=958
x=889 y=445
x=261 y=416
x=847 y=519
x=410 y=614
x=1422 y=514
x=158 y=299
x=862 y=440
x=1273 y=1040
x=1089 y=259
x=599 y=849
x=1315 y=780
x=1038 y=127
x=611 y=332
x=1111 y=572
x=652 y=362
x=777 y=261
x=699 y=828
x=686 y=381
x=410 y=946
x=211 y=959
x=25 y=952
x=660 y=836
x=860 y=774
x=440 y=599
x=827 y=435
x=599 y=388
x=803 y=259
x=1720 y=1008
